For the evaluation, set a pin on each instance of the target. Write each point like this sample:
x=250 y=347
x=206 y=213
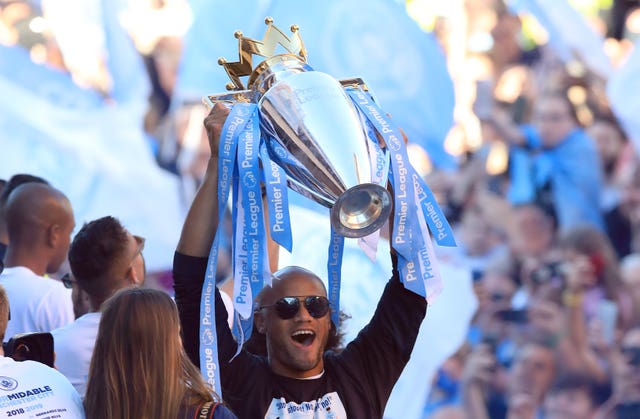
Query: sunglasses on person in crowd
x=67 y=281
x=287 y=307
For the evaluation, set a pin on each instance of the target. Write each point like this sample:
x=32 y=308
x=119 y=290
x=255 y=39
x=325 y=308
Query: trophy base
x=361 y=210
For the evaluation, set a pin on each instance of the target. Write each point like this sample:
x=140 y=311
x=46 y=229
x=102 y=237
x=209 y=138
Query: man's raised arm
x=198 y=231
x=201 y=223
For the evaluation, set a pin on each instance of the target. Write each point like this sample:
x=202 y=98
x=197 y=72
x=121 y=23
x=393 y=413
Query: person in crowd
x=624 y=402
x=13 y=182
x=104 y=257
x=297 y=375
x=51 y=391
x=574 y=396
x=140 y=369
x=615 y=157
x=495 y=320
x=543 y=164
x=594 y=276
x=533 y=249
x=630 y=275
x=623 y=221
x=493 y=328
x=596 y=306
x=490 y=391
x=532 y=232
x=40 y=221
x=478 y=243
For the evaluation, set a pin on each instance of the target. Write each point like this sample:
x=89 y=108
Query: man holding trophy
x=299 y=128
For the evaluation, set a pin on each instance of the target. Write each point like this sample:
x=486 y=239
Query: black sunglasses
x=67 y=281
x=287 y=307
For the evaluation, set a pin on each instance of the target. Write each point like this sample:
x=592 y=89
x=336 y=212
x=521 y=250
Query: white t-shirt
x=36 y=303
x=73 y=345
x=29 y=389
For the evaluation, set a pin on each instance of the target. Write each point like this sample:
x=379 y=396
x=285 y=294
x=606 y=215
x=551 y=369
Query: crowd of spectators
x=551 y=238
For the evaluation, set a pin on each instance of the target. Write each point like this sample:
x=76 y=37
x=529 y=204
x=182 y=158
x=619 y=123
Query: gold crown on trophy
x=248 y=47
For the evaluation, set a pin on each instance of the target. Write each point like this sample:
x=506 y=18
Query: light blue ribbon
x=410 y=239
x=233 y=126
x=250 y=247
x=433 y=213
x=334 y=265
x=275 y=180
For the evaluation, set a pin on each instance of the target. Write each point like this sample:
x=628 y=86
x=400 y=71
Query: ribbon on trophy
x=233 y=127
x=249 y=241
x=244 y=165
x=379 y=175
x=275 y=181
x=334 y=264
x=415 y=207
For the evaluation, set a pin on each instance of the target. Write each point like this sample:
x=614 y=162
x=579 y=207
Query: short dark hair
x=15 y=181
x=94 y=250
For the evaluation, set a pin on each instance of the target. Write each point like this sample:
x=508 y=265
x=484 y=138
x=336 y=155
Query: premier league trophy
x=311 y=129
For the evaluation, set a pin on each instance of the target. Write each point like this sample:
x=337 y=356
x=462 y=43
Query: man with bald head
x=298 y=377
x=13 y=182
x=39 y=222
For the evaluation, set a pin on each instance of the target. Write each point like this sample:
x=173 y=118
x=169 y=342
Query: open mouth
x=303 y=337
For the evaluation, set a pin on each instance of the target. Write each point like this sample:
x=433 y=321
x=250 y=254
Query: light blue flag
x=130 y=82
x=404 y=66
x=94 y=152
x=59 y=88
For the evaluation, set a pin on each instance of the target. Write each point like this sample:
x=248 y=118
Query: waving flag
x=94 y=151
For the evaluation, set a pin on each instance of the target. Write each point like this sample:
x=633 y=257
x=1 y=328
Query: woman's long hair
x=139 y=368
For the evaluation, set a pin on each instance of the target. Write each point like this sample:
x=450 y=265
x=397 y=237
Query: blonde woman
x=139 y=368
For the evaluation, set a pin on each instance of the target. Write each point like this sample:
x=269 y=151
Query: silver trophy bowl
x=314 y=133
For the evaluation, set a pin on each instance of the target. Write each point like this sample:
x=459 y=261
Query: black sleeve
x=382 y=348
x=188 y=279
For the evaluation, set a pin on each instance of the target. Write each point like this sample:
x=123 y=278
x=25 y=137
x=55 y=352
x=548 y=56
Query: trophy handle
x=355 y=82
x=244 y=96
